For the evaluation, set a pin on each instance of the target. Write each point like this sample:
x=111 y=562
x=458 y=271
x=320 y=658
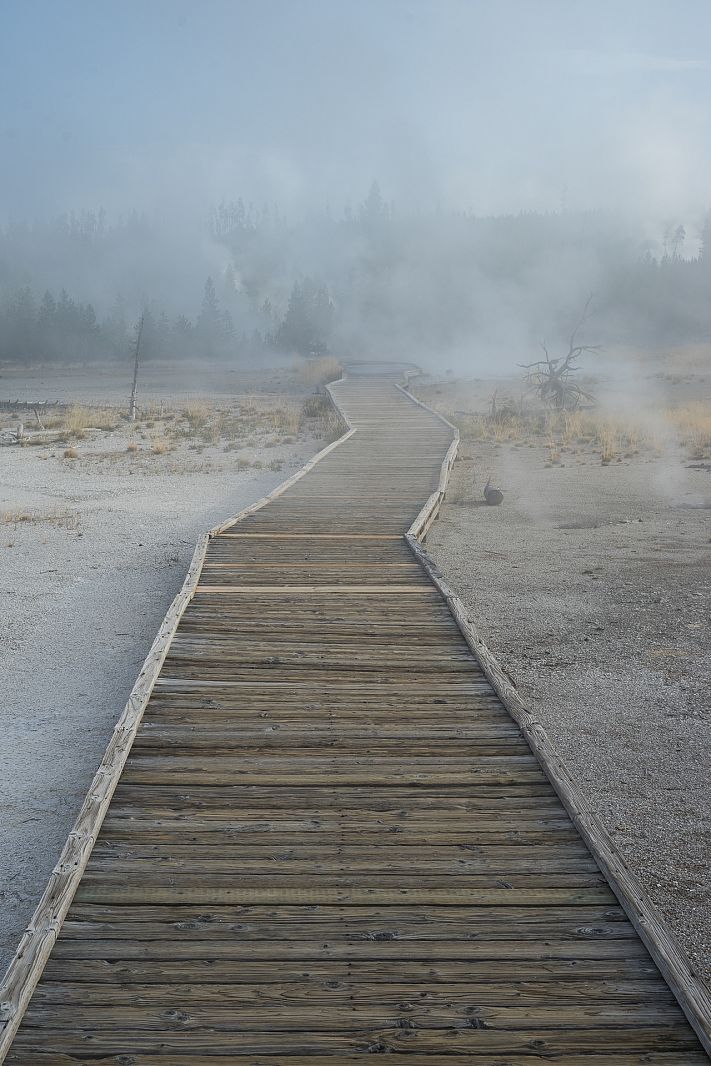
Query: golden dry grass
x=318 y=371
x=74 y=422
x=64 y=519
x=282 y=418
x=251 y=420
x=246 y=422
x=197 y=414
x=80 y=418
x=611 y=434
x=693 y=424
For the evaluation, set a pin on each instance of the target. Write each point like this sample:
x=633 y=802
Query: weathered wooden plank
x=429 y=972
x=104 y=891
x=160 y=1058
x=398 y=1039
x=187 y=741
x=170 y=832
x=353 y=856
x=194 y=732
x=586 y=992
x=521 y=869
x=439 y=1013
x=427 y=922
x=465 y=929
x=482 y=798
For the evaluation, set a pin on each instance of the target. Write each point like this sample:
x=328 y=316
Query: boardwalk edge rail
x=36 y=943
x=692 y=997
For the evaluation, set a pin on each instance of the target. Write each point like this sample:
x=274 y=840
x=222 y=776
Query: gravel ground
x=592 y=585
x=110 y=382
x=92 y=551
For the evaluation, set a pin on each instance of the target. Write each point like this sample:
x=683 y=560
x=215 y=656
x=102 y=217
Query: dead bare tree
x=134 y=386
x=551 y=378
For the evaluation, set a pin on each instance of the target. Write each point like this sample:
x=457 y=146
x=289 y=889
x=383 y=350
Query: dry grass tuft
x=283 y=417
x=197 y=414
x=319 y=371
x=609 y=435
x=132 y=447
x=70 y=453
x=331 y=428
x=614 y=435
x=63 y=519
x=316 y=406
x=79 y=419
x=693 y=424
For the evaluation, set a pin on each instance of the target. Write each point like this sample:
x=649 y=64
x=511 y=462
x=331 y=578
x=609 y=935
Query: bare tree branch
x=581 y=322
x=551 y=378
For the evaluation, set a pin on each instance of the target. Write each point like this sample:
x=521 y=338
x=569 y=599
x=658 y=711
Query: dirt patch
x=592 y=585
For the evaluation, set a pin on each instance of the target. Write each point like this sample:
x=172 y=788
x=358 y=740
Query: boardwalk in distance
x=330 y=839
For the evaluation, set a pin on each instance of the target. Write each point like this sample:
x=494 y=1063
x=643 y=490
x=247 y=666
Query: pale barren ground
x=92 y=550
x=592 y=585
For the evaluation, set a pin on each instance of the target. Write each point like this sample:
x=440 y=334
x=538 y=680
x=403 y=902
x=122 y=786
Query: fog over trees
x=445 y=181
x=443 y=287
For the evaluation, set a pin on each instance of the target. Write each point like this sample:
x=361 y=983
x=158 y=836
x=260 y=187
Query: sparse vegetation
x=197 y=415
x=60 y=519
x=610 y=435
x=317 y=406
x=693 y=424
x=252 y=420
x=79 y=419
x=319 y=371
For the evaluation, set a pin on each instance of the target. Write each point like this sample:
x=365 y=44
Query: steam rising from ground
x=527 y=155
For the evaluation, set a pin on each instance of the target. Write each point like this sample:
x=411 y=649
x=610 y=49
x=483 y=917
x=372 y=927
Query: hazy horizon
x=535 y=154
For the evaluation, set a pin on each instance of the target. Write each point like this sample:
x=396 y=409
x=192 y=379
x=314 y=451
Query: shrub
x=317 y=406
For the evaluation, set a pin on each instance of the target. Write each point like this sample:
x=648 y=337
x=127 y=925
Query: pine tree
x=182 y=337
x=227 y=333
x=307 y=324
x=705 y=250
x=46 y=325
x=209 y=324
x=22 y=315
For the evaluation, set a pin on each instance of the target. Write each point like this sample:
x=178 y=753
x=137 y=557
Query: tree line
x=58 y=328
x=374 y=280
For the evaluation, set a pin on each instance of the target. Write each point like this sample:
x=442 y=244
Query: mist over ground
x=442 y=182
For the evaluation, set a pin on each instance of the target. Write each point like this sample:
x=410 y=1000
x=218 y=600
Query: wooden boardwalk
x=330 y=839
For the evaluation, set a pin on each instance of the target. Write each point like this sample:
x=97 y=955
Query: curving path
x=329 y=838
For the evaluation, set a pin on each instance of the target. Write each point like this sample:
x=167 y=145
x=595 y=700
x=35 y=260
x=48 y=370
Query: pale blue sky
x=488 y=104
